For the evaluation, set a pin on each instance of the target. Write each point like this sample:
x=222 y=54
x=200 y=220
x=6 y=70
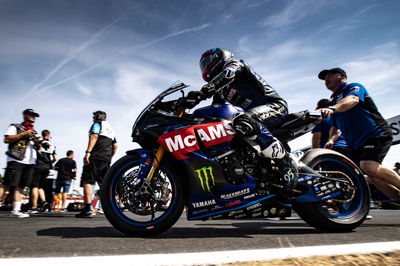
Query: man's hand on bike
x=208 y=90
x=192 y=99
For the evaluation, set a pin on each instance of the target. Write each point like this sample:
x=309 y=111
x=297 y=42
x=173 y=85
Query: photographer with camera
x=46 y=156
x=22 y=142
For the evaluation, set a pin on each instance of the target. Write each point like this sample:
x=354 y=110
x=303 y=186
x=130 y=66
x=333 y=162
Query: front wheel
x=138 y=213
x=344 y=212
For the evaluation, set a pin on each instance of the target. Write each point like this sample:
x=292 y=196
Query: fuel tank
x=225 y=111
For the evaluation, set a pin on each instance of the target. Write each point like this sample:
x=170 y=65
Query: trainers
x=45 y=206
x=34 y=211
x=19 y=214
x=63 y=210
x=85 y=214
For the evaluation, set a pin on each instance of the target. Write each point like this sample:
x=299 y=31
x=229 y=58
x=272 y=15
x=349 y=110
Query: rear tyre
x=135 y=216
x=332 y=215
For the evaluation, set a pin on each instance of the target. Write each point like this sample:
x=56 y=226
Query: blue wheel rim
x=117 y=210
x=352 y=208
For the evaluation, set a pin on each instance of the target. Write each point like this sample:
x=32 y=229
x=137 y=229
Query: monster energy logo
x=206 y=178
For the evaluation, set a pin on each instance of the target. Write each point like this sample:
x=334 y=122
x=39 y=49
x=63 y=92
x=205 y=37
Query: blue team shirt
x=360 y=123
x=324 y=126
x=95 y=129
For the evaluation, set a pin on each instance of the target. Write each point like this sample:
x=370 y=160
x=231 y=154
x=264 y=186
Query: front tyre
x=339 y=214
x=141 y=214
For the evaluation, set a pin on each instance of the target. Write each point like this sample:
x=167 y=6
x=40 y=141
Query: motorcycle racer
x=234 y=81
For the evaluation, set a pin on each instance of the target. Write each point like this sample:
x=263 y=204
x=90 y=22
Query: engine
x=237 y=167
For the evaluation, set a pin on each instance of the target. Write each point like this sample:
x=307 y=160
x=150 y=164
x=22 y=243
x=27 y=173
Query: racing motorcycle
x=197 y=163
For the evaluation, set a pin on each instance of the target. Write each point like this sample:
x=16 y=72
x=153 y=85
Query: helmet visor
x=205 y=62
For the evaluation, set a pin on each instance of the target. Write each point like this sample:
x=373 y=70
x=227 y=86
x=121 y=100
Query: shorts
x=40 y=173
x=343 y=150
x=18 y=175
x=94 y=172
x=374 y=149
x=64 y=185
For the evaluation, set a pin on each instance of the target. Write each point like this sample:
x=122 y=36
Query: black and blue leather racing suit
x=239 y=85
x=246 y=89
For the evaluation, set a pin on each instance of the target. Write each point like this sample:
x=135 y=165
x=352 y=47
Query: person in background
x=21 y=158
x=66 y=168
x=46 y=156
x=320 y=133
x=397 y=168
x=101 y=148
x=367 y=133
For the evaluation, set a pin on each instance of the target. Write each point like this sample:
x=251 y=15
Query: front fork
x=159 y=155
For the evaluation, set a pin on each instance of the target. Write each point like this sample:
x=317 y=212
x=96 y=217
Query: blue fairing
x=225 y=111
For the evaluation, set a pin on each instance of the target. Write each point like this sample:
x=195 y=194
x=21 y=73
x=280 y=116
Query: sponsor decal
x=203 y=203
x=256 y=214
x=206 y=178
x=355 y=88
x=246 y=103
x=257 y=210
x=183 y=140
x=250 y=196
x=230 y=204
x=240 y=216
x=252 y=207
x=305 y=178
x=232 y=92
x=272 y=211
x=200 y=211
x=217 y=207
x=236 y=194
x=216 y=217
x=282 y=212
x=232 y=213
x=265 y=213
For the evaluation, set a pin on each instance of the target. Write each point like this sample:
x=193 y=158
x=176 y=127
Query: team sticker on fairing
x=183 y=140
x=202 y=204
x=206 y=178
x=236 y=194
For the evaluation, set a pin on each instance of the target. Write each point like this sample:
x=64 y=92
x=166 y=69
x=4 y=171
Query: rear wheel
x=344 y=212
x=141 y=210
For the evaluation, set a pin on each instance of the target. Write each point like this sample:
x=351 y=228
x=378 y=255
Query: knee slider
x=245 y=125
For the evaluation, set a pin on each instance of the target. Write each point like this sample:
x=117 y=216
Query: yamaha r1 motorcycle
x=197 y=162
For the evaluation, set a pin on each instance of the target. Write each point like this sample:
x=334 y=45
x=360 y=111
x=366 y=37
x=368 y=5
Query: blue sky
x=67 y=59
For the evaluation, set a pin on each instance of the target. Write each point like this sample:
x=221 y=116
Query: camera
x=38 y=139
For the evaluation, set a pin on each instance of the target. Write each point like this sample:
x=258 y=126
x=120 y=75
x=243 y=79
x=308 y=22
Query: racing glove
x=192 y=99
x=209 y=90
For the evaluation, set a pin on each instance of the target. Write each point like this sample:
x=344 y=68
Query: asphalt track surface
x=54 y=235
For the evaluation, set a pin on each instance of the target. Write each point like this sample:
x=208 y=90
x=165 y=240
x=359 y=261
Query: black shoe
x=290 y=175
x=45 y=206
x=85 y=214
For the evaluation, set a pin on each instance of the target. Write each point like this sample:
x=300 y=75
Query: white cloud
x=294 y=11
x=83 y=89
x=379 y=70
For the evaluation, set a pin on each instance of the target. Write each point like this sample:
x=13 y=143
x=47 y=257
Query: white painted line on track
x=210 y=257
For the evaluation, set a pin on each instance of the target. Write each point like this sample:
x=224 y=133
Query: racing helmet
x=212 y=62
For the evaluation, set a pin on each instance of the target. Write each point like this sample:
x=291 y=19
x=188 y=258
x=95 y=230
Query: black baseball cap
x=324 y=72
x=30 y=112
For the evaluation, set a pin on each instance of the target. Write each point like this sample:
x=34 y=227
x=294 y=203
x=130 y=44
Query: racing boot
x=290 y=175
x=270 y=147
x=267 y=146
